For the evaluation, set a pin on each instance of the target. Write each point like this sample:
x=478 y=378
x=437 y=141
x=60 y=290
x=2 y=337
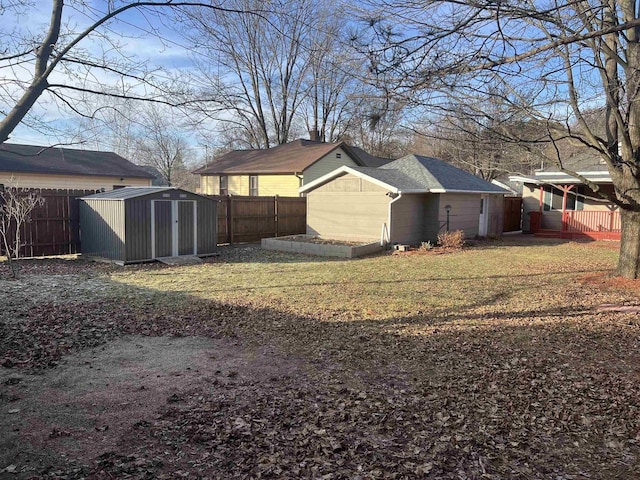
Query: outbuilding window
x=253 y=185
x=224 y=185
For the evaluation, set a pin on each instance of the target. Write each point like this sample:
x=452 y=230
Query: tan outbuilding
x=408 y=201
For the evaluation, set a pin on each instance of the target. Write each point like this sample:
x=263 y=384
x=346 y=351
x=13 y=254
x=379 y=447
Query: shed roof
x=66 y=161
x=134 y=192
x=416 y=174
x=292 y=157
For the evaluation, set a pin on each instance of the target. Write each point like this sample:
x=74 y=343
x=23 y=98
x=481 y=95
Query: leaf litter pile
x=518 y=377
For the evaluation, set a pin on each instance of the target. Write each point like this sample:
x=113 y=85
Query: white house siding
x=328 y=163
x=347 y=208
x=70 y=182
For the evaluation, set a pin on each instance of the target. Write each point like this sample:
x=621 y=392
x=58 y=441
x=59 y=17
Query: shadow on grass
x=540 y=393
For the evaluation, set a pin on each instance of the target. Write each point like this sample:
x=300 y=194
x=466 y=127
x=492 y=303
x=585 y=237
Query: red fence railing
x=591 y=221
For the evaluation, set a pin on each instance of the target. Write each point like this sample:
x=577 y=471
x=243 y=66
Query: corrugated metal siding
x=327 y=164
x=207 y=226
x=102 y=228
x=163 y=225
x=185 y=227
x=138 y=229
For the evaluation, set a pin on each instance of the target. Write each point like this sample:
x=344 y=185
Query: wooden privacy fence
x=512 y=214
x=248 y=219
x=55 y=225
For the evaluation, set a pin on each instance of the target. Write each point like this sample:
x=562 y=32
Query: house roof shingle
x=432 y=174
x=66 y=161
x=369 y=160
x=416 y=174
x=292 y=157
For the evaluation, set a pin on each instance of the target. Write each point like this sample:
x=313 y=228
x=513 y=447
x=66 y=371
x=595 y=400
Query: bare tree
x=273 y=74
x=27 y=65
x=16 y=206
x=160 y=144
x=554 y=59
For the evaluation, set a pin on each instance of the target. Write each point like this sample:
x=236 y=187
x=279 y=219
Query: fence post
x=230 y=219
x=275 y=213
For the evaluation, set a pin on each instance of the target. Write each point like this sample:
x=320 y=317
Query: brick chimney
x=314 y=135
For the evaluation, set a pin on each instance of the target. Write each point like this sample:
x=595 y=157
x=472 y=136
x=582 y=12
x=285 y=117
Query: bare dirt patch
x=82 y=409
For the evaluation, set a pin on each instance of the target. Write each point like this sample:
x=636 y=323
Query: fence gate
x=512 y=214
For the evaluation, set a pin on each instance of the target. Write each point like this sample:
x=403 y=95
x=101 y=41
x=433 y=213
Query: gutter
x=386 y=226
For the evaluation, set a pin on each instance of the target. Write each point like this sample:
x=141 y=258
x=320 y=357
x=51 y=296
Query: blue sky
x=142 y=37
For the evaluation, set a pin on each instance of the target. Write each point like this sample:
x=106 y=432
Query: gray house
x=132 y=224
x=409 y=200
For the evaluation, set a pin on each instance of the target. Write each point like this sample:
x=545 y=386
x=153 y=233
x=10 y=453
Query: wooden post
x=230 y=219
x=275 y=213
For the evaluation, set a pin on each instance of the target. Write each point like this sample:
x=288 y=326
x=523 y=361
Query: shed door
x=174 y=228
x=186 y=227
x=162 y=228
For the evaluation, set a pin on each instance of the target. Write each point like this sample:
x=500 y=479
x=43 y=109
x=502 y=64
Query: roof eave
x=342 y=170
x=483 y=192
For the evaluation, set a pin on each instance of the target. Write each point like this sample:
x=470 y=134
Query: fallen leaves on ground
x=487 y=393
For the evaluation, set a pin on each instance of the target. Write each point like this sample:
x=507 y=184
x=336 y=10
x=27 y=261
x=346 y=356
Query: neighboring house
x=280 y=170
x=409 y=200
x=31 y=166
x=555 y=204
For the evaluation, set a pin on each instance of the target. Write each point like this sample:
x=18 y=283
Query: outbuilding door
x=483 y=221
x=173 y=228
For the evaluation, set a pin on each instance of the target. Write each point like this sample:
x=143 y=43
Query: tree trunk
x=629 y=260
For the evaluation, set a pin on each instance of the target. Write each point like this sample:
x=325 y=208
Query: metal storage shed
x=138 y=224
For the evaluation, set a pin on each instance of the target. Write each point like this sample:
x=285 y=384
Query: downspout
x=387 y=226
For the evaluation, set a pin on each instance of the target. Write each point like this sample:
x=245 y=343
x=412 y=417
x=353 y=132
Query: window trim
x=253 y=189
x=223 y=185
x=576 y=195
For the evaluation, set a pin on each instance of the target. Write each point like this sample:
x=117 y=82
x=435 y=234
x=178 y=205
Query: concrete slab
x=181 y=260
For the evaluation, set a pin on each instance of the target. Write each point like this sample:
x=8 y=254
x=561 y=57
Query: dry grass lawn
x=492 y=362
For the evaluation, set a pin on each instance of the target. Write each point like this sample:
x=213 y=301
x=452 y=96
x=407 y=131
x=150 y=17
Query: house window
x=253 y=185
x=224 y=185
x=553 y=198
